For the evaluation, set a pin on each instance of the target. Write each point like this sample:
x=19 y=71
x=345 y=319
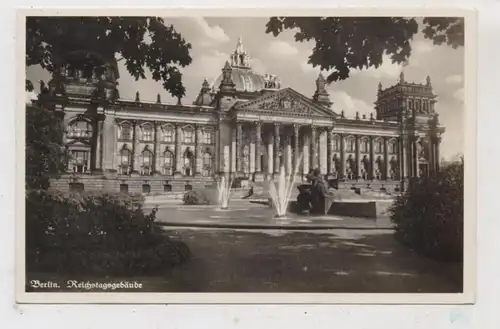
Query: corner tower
x=83 y=74
x=416 y=98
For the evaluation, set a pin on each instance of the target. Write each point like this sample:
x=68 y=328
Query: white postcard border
x=467 y=297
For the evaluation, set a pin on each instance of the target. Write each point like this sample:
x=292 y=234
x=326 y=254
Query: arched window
x=378 y=146
x=391 y=147
x=365 y=147
x=125 y=161
x=147 y=132
x=336 y=143
x=126 y=131
x=168 y=163
x=147 y=162
x=79 y=161
x=207 y=164
x=207 y=137
x=168 y=135
x=188 y=136
x=350 y=145
x=80 y=129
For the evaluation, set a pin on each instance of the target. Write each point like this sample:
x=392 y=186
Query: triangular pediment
x=286 y=102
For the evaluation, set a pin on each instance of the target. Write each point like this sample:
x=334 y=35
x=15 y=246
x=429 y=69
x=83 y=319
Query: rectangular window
x=146 y=188
x=168 y=136
x=147 y=134
x=207 y=137
x=188 y=137
x=124 y=188
x=126 y=133
x=350 y=145
x=336 y=144
x=79 y=161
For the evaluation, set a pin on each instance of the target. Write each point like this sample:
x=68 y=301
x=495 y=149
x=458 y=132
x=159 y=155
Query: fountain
x=281 y=190
x=224 y=192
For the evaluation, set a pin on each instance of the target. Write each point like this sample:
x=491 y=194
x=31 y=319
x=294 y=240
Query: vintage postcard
x=246 y=156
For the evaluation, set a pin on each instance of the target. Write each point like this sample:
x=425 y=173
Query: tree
x=143 y=42
x=346 y=43
x=429 y=217
x=45 y=155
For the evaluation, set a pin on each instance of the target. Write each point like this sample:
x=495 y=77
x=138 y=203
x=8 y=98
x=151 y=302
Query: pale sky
x=213 y=39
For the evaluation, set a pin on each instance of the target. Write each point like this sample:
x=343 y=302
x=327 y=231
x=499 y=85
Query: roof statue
x=321 y=95
x=271 y=81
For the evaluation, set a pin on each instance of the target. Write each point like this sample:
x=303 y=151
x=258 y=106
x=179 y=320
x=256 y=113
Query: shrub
x=429 y=216
x=204 y=196
x=95 y=233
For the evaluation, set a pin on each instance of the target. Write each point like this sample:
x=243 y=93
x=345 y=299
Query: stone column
x=134 y=146
x=357 y=172
x=314 y=148
x=234 y=148
x=99 y=146
x=288 y=154
x=431 y=155
x=386 y=161
x=270 y=153
x=277 y=140
x=402 y=158
x=371 y=174
x=239 y=147
x=198 y=155
x=437 y=158
x=156 y=147
x=218 y=167
x=258 y=143
x=109 y=142
x=305 y=150
x=329 y=151
x=415 y=157
x=178 y=150
x=342 y=157
x=296 y=145
x=323 y=150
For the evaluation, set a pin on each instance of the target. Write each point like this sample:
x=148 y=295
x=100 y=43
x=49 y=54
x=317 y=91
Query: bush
x=95 y=233
x=429 y=216
x=205 y=196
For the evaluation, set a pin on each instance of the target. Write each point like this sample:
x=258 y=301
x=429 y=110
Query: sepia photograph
x=275 y=154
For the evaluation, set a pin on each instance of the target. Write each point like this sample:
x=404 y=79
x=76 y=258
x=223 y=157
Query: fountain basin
x=350 y=208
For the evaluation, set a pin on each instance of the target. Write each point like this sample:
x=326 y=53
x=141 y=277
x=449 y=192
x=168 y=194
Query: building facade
x=244 y=125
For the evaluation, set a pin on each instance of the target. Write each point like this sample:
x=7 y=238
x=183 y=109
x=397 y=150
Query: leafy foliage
x=429 y=216
x=346 y=43
x=95 y=233
x=143 y=42
x=445 y=30
x=45 y=154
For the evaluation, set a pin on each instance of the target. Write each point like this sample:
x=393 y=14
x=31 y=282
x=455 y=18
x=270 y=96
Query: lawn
x=341 y=261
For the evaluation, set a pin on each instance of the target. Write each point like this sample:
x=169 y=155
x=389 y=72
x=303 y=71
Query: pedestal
x=258 y=177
